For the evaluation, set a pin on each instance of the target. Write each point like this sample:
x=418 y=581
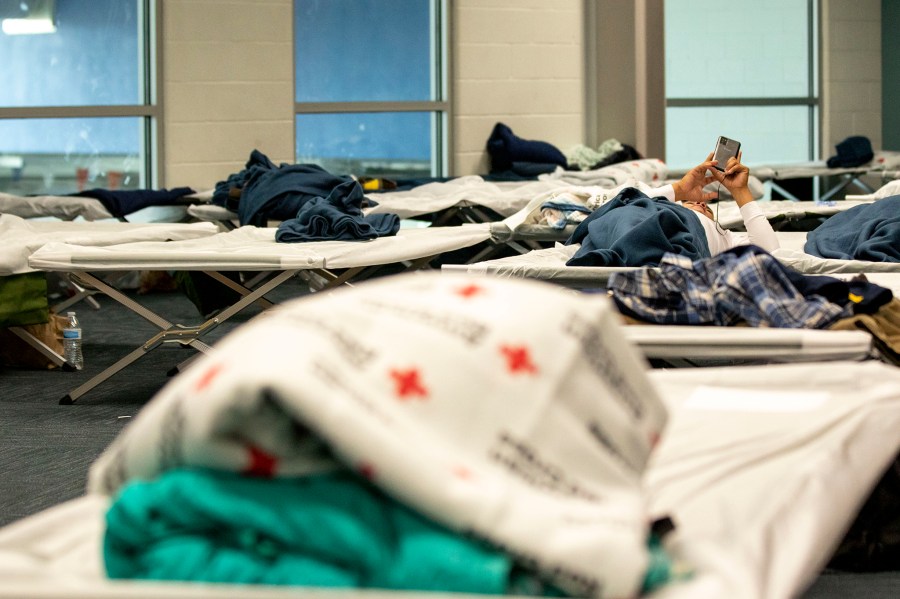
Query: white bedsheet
x=62 y=207
x=652 y=171
x=891 y=188
x=765 y=467
x=761 y=469
x=21 y=238
x=505 y=198
x=791 y=254
x=802 y=170
x=90 y=209
x=508 y=198
x=550 y=264
x=729 y=215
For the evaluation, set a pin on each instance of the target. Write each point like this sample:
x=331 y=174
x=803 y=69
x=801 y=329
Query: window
x=76 y=87
x=370 y=90
x=744 y=70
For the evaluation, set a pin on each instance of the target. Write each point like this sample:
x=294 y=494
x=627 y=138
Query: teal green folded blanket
x=329 y=530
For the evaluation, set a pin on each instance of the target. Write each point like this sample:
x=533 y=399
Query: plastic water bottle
x=72 y=342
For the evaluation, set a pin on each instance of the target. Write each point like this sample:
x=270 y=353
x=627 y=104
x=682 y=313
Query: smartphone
x=725 y=149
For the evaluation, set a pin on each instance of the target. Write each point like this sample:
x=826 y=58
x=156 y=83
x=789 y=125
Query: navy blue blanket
x=338 y=216
x=633 y=229
x=264 y=191
x=122 y=203
x=869 y=232
x=507 y=149
x=227 y=193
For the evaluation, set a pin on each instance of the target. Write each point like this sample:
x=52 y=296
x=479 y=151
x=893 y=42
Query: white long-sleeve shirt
x=759 y=231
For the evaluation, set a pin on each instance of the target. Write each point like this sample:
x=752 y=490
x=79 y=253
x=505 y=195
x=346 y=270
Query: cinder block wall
x=519 y=62
x=227 y=86
x=851 y=72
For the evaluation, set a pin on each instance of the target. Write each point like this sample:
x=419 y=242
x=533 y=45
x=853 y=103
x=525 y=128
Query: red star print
x=408 y=383
x=261 y=463
x=207 y=377
x=462 y=472
x=366 y=470
x=518 y=359
x=469 y=290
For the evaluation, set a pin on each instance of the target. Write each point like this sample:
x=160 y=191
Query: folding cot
x=791 y=253
x=550 y=264
x=814 y=169
x=659 y=342
x=466 y=198
x=780 y=212
x=761 y=472
x=61 y=207
x=86 y=208
x=703 y=343
x=883 y=164
x=728 y=214
x=474 y=199
x=527 y=222
x=507 y=198
x=890 y=188
x=251 y=249
x=652 y=171
x=21 y=238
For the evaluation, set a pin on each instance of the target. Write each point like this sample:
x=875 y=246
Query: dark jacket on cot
x=633 y=229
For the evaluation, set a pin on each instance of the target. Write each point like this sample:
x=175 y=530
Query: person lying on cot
x=735 y=178
x=634 y=229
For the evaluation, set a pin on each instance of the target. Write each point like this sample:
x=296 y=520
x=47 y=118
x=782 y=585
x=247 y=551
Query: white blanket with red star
x=446 y=392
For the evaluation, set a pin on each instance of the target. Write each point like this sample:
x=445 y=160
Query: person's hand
x=690 y=187
x=735 y=178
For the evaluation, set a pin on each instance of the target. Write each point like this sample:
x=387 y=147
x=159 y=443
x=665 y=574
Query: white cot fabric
x=255 y=248
x=504 y=198
x=22 y=238
x=651 y=171
x=761 y=469
x=61 y=207
x=765 y=467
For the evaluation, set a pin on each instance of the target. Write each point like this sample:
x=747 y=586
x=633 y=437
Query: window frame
x=440 y=108
x=150 y=111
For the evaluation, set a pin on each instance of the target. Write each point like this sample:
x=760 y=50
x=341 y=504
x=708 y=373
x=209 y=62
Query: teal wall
x=890 y=75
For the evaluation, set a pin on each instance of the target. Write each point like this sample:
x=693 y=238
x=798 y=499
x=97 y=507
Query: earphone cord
x=719 y=229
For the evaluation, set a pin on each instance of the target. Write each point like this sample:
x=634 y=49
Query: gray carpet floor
x=47 y=448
